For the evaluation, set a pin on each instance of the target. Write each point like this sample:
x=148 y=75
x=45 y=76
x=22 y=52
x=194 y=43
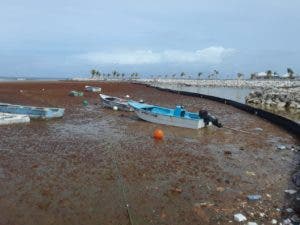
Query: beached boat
x=115 y=103
x=7 y=118
x=92 y=89
x=178 y=117
x=32 y=111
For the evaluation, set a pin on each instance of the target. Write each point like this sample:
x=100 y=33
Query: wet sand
x=68 y=171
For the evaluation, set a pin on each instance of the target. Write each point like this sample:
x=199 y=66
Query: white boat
x=7 y=118
x=178 y=117
x=92 y=89
x=115 y=103
x=32 y=111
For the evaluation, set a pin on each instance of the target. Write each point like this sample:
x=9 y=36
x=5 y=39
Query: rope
x=121 y=183
x=242 y=131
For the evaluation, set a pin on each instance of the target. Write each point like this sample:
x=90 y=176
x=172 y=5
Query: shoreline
x=234 y=83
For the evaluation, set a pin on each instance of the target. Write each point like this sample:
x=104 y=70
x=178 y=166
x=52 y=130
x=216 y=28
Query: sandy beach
x=67 y=171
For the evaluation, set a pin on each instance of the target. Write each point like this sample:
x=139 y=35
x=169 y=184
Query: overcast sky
x=64 y=38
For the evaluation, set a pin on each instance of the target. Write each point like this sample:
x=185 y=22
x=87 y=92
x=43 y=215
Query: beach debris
x=226 y=152
x=249 y=173
x=220 y=189
x=204 y=204
x=158 y=134
x=21 y=91
x=76 y=93
x=176 y=190
x=239 y=217
x=141 y=101
x=115 y=108
x=296 y=178
x=287 y=222
x=258 y=129
x=273 y=221
x=291 y=192
x=281 y=147
x=127 y=96
x=289 y=210
x=296 y=219
x=251 y=223
x=200 y=212
x=85 y=103
x=262 y=215
x=253 y=197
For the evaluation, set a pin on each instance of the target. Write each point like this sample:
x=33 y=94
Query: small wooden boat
x=32 y=111
x=7 y=118
x=92 y=89
x=178 y=117
x=115 y=103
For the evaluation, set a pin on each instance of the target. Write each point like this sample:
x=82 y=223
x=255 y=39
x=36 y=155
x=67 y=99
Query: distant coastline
x=22 y=79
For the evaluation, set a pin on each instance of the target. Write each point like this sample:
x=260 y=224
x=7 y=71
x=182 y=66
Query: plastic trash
x=287 y=222
x=289 y=210
x=291 y=192
x=273 y=221
x=76 y=93
x=251 y=223
x=296 y=179
x=253 y=197
x=85 y=103
x=281 y=147
x=239 y=217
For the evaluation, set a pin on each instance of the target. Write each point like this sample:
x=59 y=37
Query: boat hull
x=6 y=118
x=32 y=112
x=121 y=104
x=170 y=120
x=92 y=89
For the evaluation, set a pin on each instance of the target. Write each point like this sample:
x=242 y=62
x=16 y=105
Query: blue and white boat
x=178 y=117
x=32 y=111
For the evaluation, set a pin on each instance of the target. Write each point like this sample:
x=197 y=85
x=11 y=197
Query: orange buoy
x=158 y=134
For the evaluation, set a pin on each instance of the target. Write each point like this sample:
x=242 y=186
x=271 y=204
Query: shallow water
x=235 y=94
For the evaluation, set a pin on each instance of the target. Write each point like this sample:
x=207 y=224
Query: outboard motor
x=209 y=118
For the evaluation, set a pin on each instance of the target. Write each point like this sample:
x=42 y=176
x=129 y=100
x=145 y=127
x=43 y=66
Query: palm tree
x=199 y=75
x=253 y=76
x=240 y=75
x=269 y=74
x=290 y=73
x=123 y=75
x=93 y=72
x=182 y=74
x=216 y=72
